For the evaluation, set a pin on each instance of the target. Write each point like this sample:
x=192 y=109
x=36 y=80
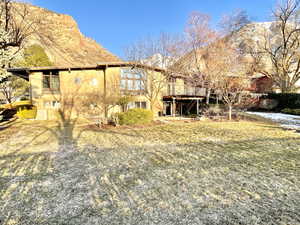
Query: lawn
x=177 y=173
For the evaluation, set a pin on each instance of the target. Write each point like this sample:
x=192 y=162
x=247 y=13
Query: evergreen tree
x=35 y=56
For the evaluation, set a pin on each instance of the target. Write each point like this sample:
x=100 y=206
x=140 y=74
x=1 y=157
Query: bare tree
x=15 y=28
x=204 y=63
x=98 y=105
x=233 y=22
x=199 y=36
x=278 y=57
x=13 y=87
x=89 y=102
x=232 y=72
x=159 y=53
x=124 y=101
x=213 y=61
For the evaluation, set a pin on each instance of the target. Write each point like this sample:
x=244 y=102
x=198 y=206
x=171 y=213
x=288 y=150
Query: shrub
x=291 y=111
x=135 y=116
x=214 y=110
x=26 y=112
x=268 y=104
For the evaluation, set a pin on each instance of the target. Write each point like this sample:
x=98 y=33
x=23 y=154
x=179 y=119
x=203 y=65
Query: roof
x=101 y=65
x=258 y=76
x=183 y=97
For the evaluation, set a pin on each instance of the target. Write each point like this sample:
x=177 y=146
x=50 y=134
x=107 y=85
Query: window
x=171 y=86
x=77 y=80
x=123 y=84
x=141 y=105
x=131 y=105
x=137 y=104
x=46 y=82
x=94 y=82
x=132 y=81
x=52 y=104
x=51 y=80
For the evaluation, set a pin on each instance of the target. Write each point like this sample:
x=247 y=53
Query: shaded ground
x=195 y=173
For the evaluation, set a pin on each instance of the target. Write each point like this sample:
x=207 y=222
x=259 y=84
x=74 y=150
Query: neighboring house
x=261 y=84
x=49 y=86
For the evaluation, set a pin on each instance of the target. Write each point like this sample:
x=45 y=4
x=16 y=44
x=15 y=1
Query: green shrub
x=135 y=116
x=291 y=111
x=26 y=112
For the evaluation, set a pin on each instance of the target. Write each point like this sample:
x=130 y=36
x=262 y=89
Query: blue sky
x=116 y=24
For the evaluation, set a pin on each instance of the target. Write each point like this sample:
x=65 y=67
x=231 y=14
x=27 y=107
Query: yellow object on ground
x=25 y=110
x=15 y=104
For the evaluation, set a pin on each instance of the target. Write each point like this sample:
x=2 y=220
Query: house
x=261 y=84
x=101 y=83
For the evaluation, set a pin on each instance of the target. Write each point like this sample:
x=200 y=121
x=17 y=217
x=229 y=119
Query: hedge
x=291 y=111
x=285 y=100
x=135 y=116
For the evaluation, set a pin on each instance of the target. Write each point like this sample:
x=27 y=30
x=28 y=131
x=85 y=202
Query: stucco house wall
x=77 y=83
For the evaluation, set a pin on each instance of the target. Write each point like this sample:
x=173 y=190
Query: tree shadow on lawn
x=198 y=183
x=48 y=187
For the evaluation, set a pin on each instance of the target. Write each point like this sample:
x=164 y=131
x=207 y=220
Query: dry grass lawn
x=180 y=173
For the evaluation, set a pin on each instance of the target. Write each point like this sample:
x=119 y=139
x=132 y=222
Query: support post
x=197 y=106
x=174 y=107
x=105 y=86
x=30 y=93
x=180 y=109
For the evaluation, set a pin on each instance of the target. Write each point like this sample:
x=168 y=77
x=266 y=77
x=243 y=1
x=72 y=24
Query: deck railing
x=184 y=90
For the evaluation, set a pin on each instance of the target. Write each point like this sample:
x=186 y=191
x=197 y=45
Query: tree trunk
x=229 y=112
x=8 y=100
x=151 y=106
x=286 y=87
x=208 y=95
x=286 y=90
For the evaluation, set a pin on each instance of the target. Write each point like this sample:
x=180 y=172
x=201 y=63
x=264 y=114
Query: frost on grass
x=285 y=120
x=202 y=173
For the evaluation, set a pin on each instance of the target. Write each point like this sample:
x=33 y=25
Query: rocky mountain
x=248 y=39
x=253 y=35
x=158 y=60
x=62 y=40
